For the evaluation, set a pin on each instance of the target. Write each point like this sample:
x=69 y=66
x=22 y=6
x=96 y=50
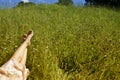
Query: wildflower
x=47 y=47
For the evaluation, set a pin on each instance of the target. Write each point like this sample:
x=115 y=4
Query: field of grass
x=69 y=43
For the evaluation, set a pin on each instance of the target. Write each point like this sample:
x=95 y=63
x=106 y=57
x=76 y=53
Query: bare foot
x=29 y=36
x=24 y=37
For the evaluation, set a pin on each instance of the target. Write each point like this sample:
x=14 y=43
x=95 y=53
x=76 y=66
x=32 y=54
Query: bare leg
x=24 y=57
x=20 y=51
x=18 y=55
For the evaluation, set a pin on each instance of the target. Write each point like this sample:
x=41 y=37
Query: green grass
x=69 y=43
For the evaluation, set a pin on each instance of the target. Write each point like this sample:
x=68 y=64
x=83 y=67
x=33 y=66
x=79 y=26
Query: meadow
x=69 y=43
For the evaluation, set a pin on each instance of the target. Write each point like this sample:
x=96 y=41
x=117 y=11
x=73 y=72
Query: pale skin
x=20 y=54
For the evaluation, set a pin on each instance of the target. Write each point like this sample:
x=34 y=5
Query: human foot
x=24 y=37
x=28 y=37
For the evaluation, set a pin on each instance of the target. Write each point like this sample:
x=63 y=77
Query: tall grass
x=68 y=44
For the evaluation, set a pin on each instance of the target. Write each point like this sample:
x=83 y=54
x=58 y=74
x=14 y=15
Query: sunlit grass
x=68 y=44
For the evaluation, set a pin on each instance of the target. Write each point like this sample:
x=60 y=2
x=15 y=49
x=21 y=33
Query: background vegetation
x=65 y=2
x=110 y=3
x=69 y=43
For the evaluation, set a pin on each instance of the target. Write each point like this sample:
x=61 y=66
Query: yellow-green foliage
x=69 y=43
